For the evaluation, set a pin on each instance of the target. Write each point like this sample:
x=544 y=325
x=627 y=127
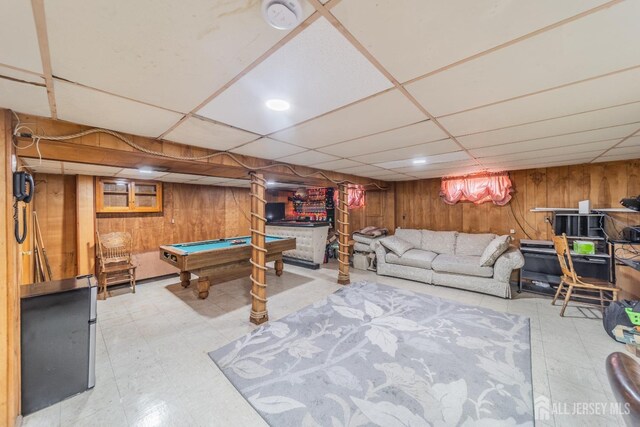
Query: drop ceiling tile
x=381 y=174
x=81 y=105
x=316 y=72
x=42 y=166
x=268 y=148
x=181 y=177
x=438 y=158
x=543 y=162
x=207 y=134
x=618 y=156
x=613 y=116
x=398 y=177
x=359 y=170
x=607 y=134
x=416 y=151
x=337 y=164
x=19 y=38
x=632 y=151
x=566 y=54
x=414 y=134
x=210 y=180
x=431 y=167
x=136 y=174
x=438 y=33
x=88 y=169
x=631 y=142
x=170 y=54
x=572 y=150
x=21 y=75
x=308 y=158
x=451 y=171
x=24 y=98
x=382 y=112
x=603 y=92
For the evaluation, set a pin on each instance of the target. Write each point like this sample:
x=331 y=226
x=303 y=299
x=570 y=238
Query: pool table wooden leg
x=279 y=267
x=203 y=287
x=185 y=278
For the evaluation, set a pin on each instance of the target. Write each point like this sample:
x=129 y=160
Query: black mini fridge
x=58 y=340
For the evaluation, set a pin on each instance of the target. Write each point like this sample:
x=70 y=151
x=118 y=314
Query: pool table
x=216 y=261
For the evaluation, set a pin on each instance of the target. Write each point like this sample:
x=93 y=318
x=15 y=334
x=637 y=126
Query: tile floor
x=153 y=368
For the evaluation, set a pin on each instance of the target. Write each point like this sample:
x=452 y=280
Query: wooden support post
x=259 y=312
x=343 y=234
x=86 y=220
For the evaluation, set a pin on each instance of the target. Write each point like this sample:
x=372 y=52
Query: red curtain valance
x=489 y=187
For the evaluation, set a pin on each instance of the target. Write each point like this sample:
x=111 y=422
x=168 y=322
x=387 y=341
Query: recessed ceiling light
x=145 y=170
x=277 y=104
x=270 y=182
x=419 y=161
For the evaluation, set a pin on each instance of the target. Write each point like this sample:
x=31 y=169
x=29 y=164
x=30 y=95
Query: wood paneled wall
x=190 y=213
x=10 y=277
x=418 y=204
x=379 y=210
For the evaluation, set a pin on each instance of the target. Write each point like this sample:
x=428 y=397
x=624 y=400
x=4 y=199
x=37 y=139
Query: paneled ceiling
x=387 y=89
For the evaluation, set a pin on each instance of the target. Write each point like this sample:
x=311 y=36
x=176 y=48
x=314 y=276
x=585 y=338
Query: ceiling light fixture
x=282 y=14
x=420 y=161
x=145 y=170
x=277 y=105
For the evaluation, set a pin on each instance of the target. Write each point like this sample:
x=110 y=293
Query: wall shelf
x=617 y=210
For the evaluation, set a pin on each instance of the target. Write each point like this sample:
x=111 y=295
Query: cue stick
x=38 y=249
x=44 y=251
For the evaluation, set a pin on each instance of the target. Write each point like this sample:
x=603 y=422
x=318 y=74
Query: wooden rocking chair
x=115 y=260
x=571 y=280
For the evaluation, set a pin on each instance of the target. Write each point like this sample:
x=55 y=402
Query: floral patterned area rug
x=371 y=354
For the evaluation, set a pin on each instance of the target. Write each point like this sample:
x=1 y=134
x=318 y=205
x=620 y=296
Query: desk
x=216 y=261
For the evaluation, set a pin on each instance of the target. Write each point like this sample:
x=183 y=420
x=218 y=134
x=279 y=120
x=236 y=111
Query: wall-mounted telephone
x=20 y=181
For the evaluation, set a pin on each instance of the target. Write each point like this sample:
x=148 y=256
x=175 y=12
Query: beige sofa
x=449 y=258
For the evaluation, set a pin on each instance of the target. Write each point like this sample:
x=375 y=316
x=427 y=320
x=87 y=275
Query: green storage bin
x=584 y=247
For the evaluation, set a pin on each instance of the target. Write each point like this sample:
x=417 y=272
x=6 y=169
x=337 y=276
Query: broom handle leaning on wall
x=42 y=249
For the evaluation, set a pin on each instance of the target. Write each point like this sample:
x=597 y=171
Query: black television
x=274 y=212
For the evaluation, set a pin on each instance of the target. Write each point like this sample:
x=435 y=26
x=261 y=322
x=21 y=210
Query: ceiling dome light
x=277 y=105
x=282 y=14
x=419 y=161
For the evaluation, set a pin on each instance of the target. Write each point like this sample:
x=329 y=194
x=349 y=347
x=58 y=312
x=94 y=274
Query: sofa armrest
x=511 y=260
x=381 y=252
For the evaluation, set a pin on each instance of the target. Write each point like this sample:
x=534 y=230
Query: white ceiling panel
x=24 y=98
x=89 y=107
x=308 y=158
x=316 y=72
x=431 y=167
x=363 y=170
x=438 y=158
x=268 y=148
x=406 y=136
x=398 y=177
x=414 y=37
x=573 y=150
x=87 y=169
x=604 y=92
x=571 y=52
x=382 y=112
x=173 y=54
x=416 y=151
x=42 y=166
x=207 y=134
x=619 y=154
x=381 y=174
x=236 y=183
x=631 y=142
x=451 y=171
x=136 y=174
x=607 y=134
x=542 y=162
x=337 y=164
x=18 y=34
x=208 y=180
x=180 y=177
x=21 y=75
x=613 y=116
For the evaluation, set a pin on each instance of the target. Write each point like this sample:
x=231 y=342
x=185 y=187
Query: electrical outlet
x=173 y=221
x=512 y=231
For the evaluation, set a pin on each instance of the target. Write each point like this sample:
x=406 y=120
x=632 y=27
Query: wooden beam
x=9 y=291
x=259 y=312
x=86 y=230
x=45 y=55
x=343 y=235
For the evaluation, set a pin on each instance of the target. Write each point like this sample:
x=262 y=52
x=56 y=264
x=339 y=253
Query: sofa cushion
x=440 y=242
x=496 y=248
x=396 y=245
x=412 y=258
x=461 y=264
x=412 y=236
x=473 y=244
